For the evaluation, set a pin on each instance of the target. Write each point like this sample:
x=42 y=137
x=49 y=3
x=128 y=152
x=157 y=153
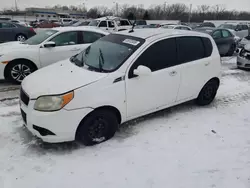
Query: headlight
x=53 y=103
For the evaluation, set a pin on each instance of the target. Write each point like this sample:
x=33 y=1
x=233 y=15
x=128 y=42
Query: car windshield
x=99 y=56
x=228 y=26
x=40 y=37
x=94 y=23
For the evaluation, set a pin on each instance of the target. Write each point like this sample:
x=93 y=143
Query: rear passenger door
x=195 y=65
x=149 y=93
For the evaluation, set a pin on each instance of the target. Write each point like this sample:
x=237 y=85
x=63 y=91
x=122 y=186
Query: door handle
x=172 y=73
x=208 y=63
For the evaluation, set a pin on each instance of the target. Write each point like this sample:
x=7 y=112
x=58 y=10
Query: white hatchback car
x=120 y=77
x=19 y=59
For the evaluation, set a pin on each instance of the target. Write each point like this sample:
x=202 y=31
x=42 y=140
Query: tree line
x=177 y=11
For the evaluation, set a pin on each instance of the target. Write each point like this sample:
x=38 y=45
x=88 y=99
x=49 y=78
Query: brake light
x=31 y=29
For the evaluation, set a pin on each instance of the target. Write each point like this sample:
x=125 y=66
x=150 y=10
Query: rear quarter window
x=208 y=46
x=190 y=48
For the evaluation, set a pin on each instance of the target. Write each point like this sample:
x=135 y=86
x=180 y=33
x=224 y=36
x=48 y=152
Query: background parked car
x=224 y=38
x=241 y=30
x=47 y=24
x=20 y=23
x=243 y=59
x=145 y=26
x=14 y=32
x=65 y=21
x=81 y=23
x=18 y=60
x=181 y=27
x=244 y=41
x=206 y=24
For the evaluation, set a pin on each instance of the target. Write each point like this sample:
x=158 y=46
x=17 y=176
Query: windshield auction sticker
x=131 y=42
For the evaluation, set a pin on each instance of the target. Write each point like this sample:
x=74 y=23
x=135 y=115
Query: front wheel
x=208 y=93
x=231 y=50
x=97 y=127
x=18 y=70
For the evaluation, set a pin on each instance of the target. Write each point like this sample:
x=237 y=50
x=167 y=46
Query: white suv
x=118 y=78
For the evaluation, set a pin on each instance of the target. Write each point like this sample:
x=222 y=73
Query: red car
x=47 y=24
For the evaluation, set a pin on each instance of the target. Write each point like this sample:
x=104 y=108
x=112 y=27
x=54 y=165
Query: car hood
x=11 y=46
x=59 y=78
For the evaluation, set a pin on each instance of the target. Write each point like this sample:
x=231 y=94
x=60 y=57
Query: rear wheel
x=16 y=71
x=21 y=37
x=97 y=127
x=208 y=93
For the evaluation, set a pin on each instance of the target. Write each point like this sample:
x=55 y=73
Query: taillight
x=31 y=29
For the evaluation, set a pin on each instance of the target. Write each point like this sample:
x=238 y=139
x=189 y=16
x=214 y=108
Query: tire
x=231 y=50
x=207 y=93
x=97 y=127
x=16 y=71
x=21 y=37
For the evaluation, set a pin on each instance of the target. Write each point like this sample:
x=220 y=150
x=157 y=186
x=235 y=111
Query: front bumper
x=243 y=62
x=2 y=67
x=62 y=124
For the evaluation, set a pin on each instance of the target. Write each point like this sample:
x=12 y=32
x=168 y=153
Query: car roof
x=147 y=33
x=80 y=28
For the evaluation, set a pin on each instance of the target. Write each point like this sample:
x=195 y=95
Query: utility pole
x=16 y=5
x=190 y=13
x=116 y=8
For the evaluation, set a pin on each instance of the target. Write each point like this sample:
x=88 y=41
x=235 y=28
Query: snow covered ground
x=181 y=147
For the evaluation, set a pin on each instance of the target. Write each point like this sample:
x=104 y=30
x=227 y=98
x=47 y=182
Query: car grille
x=24 y=116
x=24 y=97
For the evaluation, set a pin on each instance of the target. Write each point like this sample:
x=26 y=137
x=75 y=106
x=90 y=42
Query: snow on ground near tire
x=181 y=147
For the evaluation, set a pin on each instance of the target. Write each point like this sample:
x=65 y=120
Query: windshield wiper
x=101 y=60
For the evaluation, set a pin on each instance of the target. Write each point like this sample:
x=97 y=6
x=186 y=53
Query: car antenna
x=132 y=29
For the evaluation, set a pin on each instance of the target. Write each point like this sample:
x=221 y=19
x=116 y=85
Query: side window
x=185 y=28
x=158 y=56
x=239 y=27
x=217 y=34
x=65 y=39
x=226 y=34
x=6 y=25
x=208 y=46
x=103 y=24
x=178 y=27
x=111 y=24
x=90 y=37
x=124 y=23
x=190 y=49
x=245 y=27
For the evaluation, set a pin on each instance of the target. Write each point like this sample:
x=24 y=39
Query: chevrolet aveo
x=120 y=77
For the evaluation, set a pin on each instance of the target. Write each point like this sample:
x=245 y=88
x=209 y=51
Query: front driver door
x=67 y=45
x=220 y=42
x=149 y=93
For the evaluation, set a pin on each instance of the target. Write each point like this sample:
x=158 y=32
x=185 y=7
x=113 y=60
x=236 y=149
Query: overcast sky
x=229 y=4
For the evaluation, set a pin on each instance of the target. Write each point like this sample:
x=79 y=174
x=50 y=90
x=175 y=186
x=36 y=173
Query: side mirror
x=49 y=44
x=142 y=71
